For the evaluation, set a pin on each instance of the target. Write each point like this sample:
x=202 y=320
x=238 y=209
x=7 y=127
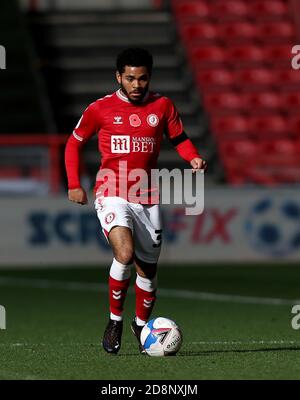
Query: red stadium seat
x=222 y=102
x=278 y=55
x=279 y=32
x=268 y=9
x=230 y=127
x=238 y=148
x=245 y=56
x=235 y=176
x=287 y=79
x=261 y=102
x=240 y=52
x=281 y=159
x=297 y=146
x=229 y=9
x=255 y=79
x=263 y=126
x=198 y=32
x=237 y=32
x=291 y=101
x=294 y=126
x=238 y=157
x=193 y=9
x=207 y=56
x=267 y=162
x=279 y=148
x=215 y=79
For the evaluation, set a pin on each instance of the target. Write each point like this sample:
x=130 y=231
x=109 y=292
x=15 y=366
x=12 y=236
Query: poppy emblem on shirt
x=110 y=217
x=153 y=120
x=135 y=120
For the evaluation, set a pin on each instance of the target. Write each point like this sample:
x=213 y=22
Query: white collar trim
x=124 y=98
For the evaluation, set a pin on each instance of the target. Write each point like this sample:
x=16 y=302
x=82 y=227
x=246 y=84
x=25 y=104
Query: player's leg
x=147 y=241
x=145 y=289
x=115 y=221
x=120 y=239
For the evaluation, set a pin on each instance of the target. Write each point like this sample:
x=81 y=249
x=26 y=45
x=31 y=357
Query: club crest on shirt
x=152 y=120
x=134 y=120
x=110 y=217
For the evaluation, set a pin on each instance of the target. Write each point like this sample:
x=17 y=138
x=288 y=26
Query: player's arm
x=183 y=145
x=188 y=152
x=84 y=130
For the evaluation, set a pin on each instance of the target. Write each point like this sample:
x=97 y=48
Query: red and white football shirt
x=129 y=138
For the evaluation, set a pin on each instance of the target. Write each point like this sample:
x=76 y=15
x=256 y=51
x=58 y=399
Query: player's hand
x=198 y=163
x=77 y=196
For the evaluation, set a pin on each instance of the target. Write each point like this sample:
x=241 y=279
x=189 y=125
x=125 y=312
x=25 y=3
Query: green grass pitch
x=236 y=323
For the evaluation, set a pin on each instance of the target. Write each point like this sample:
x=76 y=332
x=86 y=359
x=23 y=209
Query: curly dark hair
x=134 y=57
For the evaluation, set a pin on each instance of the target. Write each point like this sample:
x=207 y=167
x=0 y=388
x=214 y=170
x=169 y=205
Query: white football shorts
x=143 y=220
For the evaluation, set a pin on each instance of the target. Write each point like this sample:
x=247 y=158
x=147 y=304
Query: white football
x=161 y=337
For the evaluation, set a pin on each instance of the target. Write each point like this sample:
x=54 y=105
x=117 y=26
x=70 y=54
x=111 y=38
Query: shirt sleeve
x=175 y=132
x=83 y=131
x=174 y=124
x=87 y=125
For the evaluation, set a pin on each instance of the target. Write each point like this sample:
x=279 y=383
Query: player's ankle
x=115 y=317
x=140 y=322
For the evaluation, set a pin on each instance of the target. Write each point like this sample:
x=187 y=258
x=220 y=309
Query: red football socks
x=145 y=299
x=117 y=295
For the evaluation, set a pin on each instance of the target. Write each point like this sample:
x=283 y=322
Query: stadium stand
x=25 y=110
x=240 y=54
x=23 y=101
x=78 y=51
x=242 y=87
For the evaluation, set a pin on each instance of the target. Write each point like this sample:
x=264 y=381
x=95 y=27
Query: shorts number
x=158 y=237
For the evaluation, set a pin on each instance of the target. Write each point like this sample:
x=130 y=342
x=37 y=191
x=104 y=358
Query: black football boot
x=112 y=336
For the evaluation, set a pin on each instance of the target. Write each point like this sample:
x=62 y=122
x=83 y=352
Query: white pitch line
x=200 y=342
x=176 y=293
x=231 y=298
x=237 y=342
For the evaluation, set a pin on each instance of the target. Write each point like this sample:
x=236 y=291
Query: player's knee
x=148 y=273
x=124 y=255
x=146 y=270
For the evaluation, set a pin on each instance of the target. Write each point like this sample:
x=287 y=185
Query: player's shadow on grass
x=209 y=352
x=220 y=351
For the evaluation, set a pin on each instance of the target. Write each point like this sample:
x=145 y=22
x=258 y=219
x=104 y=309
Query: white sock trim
x=140 y=322
x=116 y=317
x=149 y=285
x=119 y=271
